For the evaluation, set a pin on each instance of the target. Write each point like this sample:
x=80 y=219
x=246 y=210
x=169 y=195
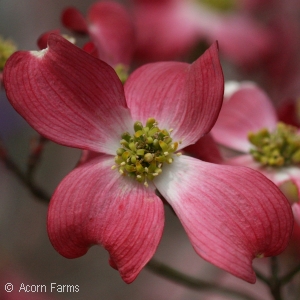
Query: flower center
x=144 y=153
x=7 y=48
x=278 y=148
x=220 y=5
x=122 y=72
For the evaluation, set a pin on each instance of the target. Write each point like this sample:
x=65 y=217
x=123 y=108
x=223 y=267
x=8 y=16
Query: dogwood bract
x=248 y=123
x=171 y=28
x=231 y=214
x=110 y=28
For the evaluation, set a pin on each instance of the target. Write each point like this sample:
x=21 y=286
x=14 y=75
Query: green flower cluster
x=143 y=154
x=122 y=72
x=220 y=5
x=278 y=148
x=7 y=48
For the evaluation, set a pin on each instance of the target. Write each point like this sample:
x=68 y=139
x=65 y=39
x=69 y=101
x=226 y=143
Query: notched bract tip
x=39 y=53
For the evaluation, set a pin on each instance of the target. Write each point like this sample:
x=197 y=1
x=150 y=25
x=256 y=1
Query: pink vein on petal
x=231 y=214
x=96 y=205
x=68 y=96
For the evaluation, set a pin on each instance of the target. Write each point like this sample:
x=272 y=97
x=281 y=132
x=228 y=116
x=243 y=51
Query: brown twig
x=193 y=283
x=22 y=176
x=37 y=147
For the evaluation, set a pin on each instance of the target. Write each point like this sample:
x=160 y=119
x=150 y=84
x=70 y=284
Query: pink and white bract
x=247 y=108
x=231 y=214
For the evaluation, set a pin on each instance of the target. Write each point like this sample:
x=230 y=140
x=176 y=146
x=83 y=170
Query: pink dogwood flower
x=248 y=123
x=169 y=29
x=231 y=214
x=110 y=28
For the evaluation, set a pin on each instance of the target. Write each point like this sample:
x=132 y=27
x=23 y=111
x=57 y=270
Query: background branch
x=10 y=164
x=191 y=282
